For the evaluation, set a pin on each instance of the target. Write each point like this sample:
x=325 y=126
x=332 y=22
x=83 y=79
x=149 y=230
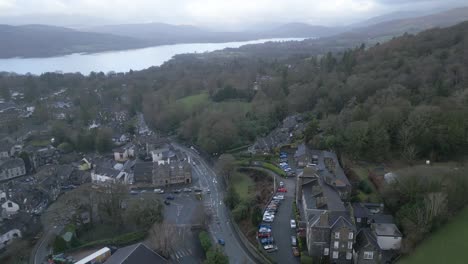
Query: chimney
x=323 y=221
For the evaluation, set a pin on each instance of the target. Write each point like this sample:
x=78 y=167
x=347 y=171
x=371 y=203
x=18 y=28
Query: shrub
x=65 y=147
x=256 y=216
x=241 y=211
x=205 y=241
x=365 y=187
x=59 y=245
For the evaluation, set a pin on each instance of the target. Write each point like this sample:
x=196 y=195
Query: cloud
x=222 y=13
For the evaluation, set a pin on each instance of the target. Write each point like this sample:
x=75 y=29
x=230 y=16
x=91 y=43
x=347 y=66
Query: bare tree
x=162 y=238
x=225 y=166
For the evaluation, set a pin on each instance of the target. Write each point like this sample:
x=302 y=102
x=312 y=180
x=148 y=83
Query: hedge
x=119 y=241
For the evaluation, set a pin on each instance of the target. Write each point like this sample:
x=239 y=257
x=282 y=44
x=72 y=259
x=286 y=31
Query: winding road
x=220 y=227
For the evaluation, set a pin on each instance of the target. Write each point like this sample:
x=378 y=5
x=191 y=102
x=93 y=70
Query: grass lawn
x=447 y=245
x=241 y=183
x=374 y=196
x=189 y=102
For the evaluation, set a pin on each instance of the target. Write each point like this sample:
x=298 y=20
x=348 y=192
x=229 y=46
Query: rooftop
x=138 y=253
x=386 y=230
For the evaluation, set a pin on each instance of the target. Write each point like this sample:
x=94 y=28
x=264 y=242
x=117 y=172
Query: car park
x=293 y=223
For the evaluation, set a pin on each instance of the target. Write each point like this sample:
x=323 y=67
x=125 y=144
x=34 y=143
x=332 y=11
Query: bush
x=59 y=245
x=365 y=187
x=306 y=259
x=256 y=216
x=241 y=211
x=65 y=147
x=232 y=198
x=205 y=241
x=216 y=256
x=273 y=168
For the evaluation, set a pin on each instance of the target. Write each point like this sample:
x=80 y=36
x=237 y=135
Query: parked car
x=268 y=219
x=221 y=242
x=166 y=202
x=293 y=241
x=282 y=190
x=293 y=223
x=268 y=247
x=281 y=184
x=264 y=234
x=187 y=190
x=278 y=197
x=134 y=192
x=159 y=191
x=170 y=197
x=296 y=252
x=267 y=240
x=176 y=191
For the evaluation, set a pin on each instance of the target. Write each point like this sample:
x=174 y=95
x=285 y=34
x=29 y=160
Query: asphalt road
x=220 y=227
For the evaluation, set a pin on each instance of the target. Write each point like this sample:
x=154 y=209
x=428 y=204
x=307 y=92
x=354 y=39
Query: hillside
x=45 y=41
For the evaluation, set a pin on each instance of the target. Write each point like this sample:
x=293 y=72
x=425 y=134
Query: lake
x=118 y=61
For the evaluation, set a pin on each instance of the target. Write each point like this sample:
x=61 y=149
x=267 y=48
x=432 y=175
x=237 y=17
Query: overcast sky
x=221 y=13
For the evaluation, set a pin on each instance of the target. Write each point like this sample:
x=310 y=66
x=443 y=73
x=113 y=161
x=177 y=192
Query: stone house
x=124 y=153
x=12 y=168
x=10 y=207
x=179 y=172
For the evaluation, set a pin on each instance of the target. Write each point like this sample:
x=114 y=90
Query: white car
x=267 y=247
x=268 y=219
x=281 y=184
x=293 y=223
x=278 y=197
x=159 y=191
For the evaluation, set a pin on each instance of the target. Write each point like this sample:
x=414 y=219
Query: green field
x=447 y=245
x=241 y=183
x=189 y=102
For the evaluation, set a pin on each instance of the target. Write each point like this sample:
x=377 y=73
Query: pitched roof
x=143 y=171
x=365 y=238
x=11 y=163
x=138 y=253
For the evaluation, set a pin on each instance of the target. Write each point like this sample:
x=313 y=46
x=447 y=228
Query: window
x=10 y=204
x=350 y=245
x=335 y=254
x=326 y=251
x=351 y=235
x=336 y=244
x=337 y=235
x=349 y=255
x=368 y=255
x=358 y=220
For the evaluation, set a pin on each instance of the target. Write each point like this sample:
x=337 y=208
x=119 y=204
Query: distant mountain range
x=45 y=41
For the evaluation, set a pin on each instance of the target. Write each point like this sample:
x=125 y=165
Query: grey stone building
x=12 y=168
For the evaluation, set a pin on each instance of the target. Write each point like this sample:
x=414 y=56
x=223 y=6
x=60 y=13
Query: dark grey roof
x=143 y=171
x=381 y=219
x=11 y=163
x=332 y=197
x=6 y=106
x=138 y=253
x=365 y=238
x=6 y=145
x=360 y=211
x=338 y=219
x=339 y=173
x=107 y=172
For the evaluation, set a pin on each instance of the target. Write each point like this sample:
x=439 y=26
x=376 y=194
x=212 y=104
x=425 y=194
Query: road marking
x=190 y=251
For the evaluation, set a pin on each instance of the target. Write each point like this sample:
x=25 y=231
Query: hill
x=45 y=41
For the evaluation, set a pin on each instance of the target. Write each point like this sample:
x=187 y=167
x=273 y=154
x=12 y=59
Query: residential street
x=220 y=227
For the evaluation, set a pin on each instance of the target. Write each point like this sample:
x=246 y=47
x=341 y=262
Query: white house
x=10 y=207
x=163 y=156
x=388 y=236
x=8 y=236
x=107 y=175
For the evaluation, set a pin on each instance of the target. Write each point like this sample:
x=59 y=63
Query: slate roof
x=138 y=253
x=107 y=172
x=364 y=238
x=143 y=171
x=11 y=163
